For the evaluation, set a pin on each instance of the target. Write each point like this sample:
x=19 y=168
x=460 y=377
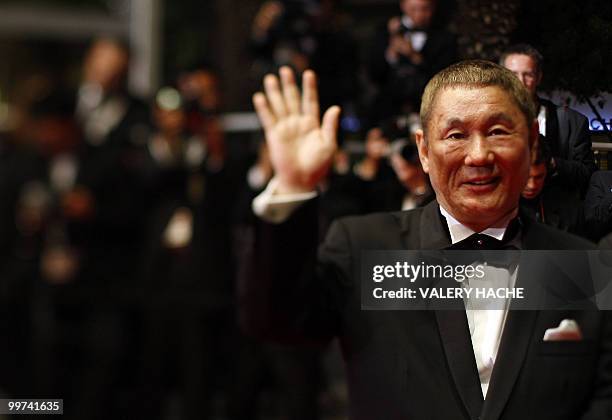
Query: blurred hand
x=400 y=45
x=265 y=18
x=301 y=147
x=263 y=161
x=394 y=25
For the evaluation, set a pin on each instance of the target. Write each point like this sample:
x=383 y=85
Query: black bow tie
x=482 y=242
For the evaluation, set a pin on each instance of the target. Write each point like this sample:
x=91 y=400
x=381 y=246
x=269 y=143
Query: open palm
x=301 y=146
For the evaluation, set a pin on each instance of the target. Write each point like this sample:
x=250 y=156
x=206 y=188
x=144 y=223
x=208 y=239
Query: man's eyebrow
x=501 y=117
x=452 y=123
x=497 y=117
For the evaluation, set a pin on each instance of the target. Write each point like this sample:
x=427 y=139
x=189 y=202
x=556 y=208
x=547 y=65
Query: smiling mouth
x=529 y=194
x=483 y=182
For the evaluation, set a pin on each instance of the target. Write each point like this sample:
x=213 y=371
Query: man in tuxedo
x=565 y=131
x=406 y=53
x=479 y=124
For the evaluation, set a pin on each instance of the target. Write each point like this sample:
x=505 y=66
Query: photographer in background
x=406 y=54
x=306 y=34
x=407 y=166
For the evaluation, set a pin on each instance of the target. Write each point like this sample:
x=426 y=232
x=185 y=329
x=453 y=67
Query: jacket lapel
x=455 y=336
x=517 y=336
x=425 y=232
x=452 y=324
x=552 y=129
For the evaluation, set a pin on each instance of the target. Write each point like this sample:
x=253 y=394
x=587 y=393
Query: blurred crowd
x=123 y=222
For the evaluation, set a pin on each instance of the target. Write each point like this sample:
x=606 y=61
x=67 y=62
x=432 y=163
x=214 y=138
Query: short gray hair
x=477 y=74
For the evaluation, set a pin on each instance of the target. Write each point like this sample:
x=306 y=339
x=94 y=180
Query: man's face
x=535 y=182
x=525 y=68
x=202 y=86
x=476 y=152
x=419 y=11
x=106 y=65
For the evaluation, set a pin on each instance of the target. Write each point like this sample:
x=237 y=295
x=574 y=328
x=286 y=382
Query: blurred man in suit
x=406 y=54
x=548 y=201
x=598 y=205
x=479 y=124
x=565 y=131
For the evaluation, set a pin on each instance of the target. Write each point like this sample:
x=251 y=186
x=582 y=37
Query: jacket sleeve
x=598 y=201
x=288 y=291
x=580 y=163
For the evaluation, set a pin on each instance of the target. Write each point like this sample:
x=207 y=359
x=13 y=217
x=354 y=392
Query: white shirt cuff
x=276 y=208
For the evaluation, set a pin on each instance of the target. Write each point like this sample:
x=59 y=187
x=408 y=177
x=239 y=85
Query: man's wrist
x=276 y=207
x=286 y=188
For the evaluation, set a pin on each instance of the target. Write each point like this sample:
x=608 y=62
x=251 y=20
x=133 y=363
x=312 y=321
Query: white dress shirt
x=486 y=325
x=542 y=120
x=417 y=38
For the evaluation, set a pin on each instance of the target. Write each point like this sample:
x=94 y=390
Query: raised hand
x=301 y=146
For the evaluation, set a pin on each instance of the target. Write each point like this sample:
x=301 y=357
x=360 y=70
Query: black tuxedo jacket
x=567 y=134
x=402 y=83
x=598 y=205
x=420 y=364
x=439 y=51
x=558 y=207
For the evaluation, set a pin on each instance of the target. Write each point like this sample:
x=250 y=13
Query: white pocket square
x=568 y=330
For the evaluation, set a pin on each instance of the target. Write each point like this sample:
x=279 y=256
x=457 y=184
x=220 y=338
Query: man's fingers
x=310 y=95
x=274 y=95
x=266 y=118
x=329 y=126
x=290 y=90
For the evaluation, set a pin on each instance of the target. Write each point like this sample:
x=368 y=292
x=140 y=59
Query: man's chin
x=482 y=214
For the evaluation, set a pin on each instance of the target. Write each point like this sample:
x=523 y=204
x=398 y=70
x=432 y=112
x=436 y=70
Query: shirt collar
x=407 y=22
x=542 y=120
x=459 y=231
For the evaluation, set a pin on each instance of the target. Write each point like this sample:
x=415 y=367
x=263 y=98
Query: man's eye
x=498 y=132
x=455 y=135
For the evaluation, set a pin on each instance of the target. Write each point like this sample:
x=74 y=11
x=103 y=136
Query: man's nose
x=478 y=152
x=521 y=76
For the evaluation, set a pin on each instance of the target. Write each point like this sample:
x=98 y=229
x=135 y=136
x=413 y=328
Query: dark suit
x=557 y=207
x=567 y=134
x=403 y=82
x=598 y=204
x=420 y=364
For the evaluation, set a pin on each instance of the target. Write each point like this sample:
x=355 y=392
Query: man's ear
x=423 y=149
